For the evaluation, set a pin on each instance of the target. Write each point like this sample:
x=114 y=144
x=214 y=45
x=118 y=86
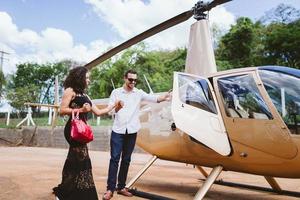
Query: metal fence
x=45 y=118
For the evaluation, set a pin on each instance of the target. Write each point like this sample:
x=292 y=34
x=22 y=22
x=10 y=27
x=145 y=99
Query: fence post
x=98 y=121
x=50 y=116
x=8 y=118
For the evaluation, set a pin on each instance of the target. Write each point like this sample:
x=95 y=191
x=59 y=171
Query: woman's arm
x=117 y=106
x=68 y=95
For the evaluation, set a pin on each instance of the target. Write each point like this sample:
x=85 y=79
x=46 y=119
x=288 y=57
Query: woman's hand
x=118 y=105
x=86 y=107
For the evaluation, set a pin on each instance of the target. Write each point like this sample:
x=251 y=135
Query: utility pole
x=2 y=58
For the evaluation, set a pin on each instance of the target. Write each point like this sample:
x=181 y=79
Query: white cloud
x=49 y=45
x=55 y=40
x=126 y=17
x=131 y=17
x=220 y=16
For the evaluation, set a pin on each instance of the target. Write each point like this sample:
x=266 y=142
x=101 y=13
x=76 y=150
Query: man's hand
x=118 y=105
x=165 y=97
x=168 y=96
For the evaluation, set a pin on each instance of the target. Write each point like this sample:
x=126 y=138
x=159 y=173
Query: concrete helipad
x=28 y=173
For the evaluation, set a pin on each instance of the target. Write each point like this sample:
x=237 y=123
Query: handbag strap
x=73 y=113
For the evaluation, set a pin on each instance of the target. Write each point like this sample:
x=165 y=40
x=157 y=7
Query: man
x=124 y=131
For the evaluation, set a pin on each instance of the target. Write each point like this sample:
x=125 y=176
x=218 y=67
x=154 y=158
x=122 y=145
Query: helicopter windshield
x=242 y=98
x=284 y=91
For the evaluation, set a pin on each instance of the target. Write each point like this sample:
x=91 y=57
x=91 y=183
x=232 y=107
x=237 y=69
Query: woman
x=77 y=179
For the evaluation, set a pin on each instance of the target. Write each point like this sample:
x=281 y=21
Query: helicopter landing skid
x=141 y=172
x=208 y=182
x=203 y=172
x=273 y=183
x=147 y=195
x=211 y=178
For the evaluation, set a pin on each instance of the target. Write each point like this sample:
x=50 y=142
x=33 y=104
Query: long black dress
x=77 y=178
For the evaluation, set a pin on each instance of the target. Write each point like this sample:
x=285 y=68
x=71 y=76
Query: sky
x=51 y=30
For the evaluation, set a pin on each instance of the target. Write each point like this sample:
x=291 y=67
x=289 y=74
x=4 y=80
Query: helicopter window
x=284 y=91
x=196 y=92
x=242 y=98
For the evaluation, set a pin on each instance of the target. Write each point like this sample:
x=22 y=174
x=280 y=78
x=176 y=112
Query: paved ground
x=28 y=173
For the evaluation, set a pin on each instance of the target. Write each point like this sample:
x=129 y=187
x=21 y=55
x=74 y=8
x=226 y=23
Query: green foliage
x=282 y=44
x=20 y=95
x=246 y=44
x=33 y=82
x=2 y=83
x=157 y=66
x=223 y=65
x=254 y=44
x=239 y=46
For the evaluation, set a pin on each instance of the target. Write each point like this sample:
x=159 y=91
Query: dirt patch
x=32 y=172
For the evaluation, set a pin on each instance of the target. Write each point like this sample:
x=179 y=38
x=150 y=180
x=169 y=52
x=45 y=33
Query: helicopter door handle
x=283 y=127
x=173 y=127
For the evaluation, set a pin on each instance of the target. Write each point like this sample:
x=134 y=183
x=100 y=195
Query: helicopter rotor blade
x=148 y=33
x=216 y=3
x=152 y=31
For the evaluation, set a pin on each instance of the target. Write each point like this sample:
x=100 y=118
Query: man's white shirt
x=128 y=116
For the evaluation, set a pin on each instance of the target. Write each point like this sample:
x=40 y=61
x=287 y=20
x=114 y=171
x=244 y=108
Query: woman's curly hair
x=76 y=80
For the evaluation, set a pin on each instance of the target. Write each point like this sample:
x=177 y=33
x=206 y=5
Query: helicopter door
x=196 y=112
x=249 y=116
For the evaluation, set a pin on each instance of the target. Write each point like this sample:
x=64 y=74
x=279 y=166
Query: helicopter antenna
x=112 y=82
x=150 y=89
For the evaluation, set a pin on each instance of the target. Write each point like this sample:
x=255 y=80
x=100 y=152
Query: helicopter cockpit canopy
x=283 y=87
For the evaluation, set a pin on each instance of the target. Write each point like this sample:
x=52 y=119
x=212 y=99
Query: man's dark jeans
x=119 y=144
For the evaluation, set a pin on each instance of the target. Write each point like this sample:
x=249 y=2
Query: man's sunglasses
x=132 y=80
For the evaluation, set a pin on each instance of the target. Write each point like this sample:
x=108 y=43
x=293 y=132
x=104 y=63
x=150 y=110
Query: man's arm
x=165 y=97
x=153 y=98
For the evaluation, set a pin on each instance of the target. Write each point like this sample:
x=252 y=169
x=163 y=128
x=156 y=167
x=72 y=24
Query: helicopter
x=243 y=120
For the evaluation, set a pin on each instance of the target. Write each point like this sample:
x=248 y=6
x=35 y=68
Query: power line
x=2 y=58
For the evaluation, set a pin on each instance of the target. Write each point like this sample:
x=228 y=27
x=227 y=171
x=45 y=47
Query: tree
x=20 y=95
x=282 y=44
x=157 y=66
x=33 y=82
x=283 y=14
x=108 y=73
x=240 y=47
x=2 y=83
x=255 y=44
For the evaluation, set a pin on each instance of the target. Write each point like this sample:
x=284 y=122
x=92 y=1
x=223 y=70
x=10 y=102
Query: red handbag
x=80 y=130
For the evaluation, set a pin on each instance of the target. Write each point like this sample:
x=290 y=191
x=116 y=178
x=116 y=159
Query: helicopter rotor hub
x=199 y=9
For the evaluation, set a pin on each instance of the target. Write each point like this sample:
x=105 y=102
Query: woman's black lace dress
x=77 y=179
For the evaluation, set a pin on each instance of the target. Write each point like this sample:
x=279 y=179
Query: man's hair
x=130 y=71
